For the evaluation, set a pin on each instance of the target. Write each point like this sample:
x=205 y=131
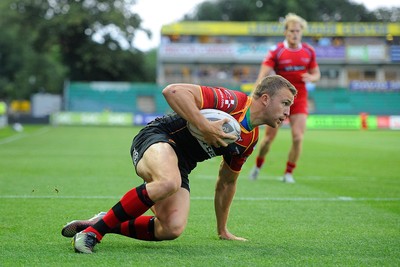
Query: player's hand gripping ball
x=231 y=127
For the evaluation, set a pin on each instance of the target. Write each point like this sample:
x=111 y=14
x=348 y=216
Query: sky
x=156 y=13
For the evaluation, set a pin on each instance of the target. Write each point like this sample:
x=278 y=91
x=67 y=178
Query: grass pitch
x=344 y=209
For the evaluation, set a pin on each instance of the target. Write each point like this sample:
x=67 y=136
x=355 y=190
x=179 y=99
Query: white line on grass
x=24 y=135
x=295 y=199
x=272 y=177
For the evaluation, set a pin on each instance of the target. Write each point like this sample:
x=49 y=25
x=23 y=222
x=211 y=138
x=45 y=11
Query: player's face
x=278 y=107
x=293 y=34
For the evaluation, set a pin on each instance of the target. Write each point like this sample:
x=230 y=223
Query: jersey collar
x=286 y=45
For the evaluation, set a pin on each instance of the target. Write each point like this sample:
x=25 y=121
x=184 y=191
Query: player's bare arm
x=312 y=76
x=224 y=192
x=264 y=71
x=185 y=100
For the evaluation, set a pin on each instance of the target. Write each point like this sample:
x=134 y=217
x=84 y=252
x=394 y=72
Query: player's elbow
x=316 y=77
x=169 y=89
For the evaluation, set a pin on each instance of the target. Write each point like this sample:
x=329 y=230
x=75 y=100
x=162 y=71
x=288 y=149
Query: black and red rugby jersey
x=189 y=149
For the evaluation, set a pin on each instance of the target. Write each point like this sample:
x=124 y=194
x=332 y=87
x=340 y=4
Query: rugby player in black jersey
x=164 y=153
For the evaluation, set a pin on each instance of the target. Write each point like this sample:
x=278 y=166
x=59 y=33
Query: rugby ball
x=231 y=127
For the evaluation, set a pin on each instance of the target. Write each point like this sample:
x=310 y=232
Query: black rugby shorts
x=149 y=136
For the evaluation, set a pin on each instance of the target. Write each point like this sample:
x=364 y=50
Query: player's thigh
x=159 y=162
x=173 y=211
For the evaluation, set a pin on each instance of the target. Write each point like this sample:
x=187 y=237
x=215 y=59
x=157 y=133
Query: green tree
x=45 y=42
x=24 y=70
x=273 y=10
x=388 y=14
x=111 y=57
x=151 y=65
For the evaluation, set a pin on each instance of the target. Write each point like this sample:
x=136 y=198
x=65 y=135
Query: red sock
x=133 y=204
x=290 y=167
x=141 y=228
x=259 y=162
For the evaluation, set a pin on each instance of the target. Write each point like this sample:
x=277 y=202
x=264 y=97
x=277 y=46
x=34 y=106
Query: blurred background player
x=296 y=61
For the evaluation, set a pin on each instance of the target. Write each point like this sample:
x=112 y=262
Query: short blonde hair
x=291 y=17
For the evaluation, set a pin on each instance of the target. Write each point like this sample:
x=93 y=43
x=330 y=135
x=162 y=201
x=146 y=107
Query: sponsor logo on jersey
x=294 y=68
x=135 y=156
x=207 y=148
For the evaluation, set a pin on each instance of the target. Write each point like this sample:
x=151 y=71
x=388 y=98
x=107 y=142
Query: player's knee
x=298 y=138
x=174 y=231
x=172 y=228
x=263 y=142
x=297 y=143
x=169 y=186
x=266 y=142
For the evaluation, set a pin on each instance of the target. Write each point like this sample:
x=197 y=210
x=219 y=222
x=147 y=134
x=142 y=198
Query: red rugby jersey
x=292 y=63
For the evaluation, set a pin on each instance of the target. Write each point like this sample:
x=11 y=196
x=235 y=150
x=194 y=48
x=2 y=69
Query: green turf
x=344 y=209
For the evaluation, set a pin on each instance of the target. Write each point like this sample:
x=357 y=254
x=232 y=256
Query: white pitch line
x=294 y=199
x=24 y=135
x=12 y=138
x=273 y=177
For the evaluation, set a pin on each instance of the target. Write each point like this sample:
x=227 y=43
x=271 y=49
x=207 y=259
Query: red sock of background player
x=133 y=204
x=290 y=167
x=141 y=228
x=259 y=162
